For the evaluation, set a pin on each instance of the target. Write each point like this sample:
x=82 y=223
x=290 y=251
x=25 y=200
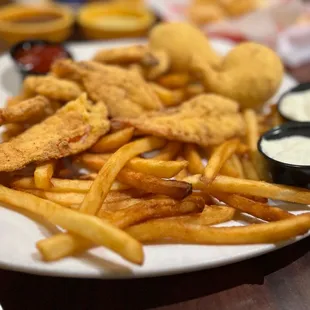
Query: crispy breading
x=72 y=129
x=121 y=55
x=30 y=110
x=124 y=92
x=250 y=74
x=52 y=87
x=204 y=120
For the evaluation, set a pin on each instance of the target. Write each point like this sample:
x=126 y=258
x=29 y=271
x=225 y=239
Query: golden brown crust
x=29 y=110
x=124 y=92
x=72 y=129
x=52 y=87
x=204 y=120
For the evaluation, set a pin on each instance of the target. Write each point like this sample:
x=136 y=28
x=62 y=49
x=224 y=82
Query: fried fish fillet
x=121 y=55
x=29 y=111
x=52 y=87
x=204 y=120
x=72 y=129
x=124 y=92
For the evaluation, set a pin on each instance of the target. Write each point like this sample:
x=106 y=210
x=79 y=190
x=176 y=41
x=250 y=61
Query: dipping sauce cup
x=294 y=105
x=36 y=56
x=286 y=149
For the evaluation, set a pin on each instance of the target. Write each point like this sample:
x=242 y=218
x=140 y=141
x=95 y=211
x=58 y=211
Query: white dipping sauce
x=290 y=150
x=296 y=106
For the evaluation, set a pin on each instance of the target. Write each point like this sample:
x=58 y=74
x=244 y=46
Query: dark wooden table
x=276 y=281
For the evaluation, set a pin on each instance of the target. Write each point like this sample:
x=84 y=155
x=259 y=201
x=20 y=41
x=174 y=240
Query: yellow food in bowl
x=113 y=20
x=47 y=22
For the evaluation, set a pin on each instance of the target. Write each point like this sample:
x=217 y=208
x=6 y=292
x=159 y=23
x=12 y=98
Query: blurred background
x=283 y=25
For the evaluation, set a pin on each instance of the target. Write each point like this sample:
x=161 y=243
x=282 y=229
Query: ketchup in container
x=36 y=56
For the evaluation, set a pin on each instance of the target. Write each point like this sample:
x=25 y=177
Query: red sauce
x=39 y=58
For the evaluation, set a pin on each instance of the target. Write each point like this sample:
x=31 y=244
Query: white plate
x=19 y=233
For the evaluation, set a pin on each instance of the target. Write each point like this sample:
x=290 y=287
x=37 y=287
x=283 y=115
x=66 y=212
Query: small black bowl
x=284 y=173
x=27 y=45
x=296 y=89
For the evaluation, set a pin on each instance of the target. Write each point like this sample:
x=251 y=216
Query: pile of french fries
x=142 y=190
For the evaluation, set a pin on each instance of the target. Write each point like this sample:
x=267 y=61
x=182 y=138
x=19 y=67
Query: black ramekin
x=24 y=71
x=298 y=88
x=284 y=173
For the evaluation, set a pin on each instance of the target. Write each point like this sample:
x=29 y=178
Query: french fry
x=191 y=154
x=63 y=185
x=252 y=135
x=96 y=230
x=118 y=205
x=174 y=80
x=235 y=161
x=43 y=174
x=63 y=245
x=71 y=200
x=211 y=215
x=113 y=141
x=193 y=90
x=106 y=176
x=259 y=210
x=229 y=170
x=167 y=96
x=183 y=173
x=158 y=168
x=253 y=188
x=249 y=170
x=169 y=152
x=153 y=208
x=151 y=184
x=162 y=230
x=218 y=158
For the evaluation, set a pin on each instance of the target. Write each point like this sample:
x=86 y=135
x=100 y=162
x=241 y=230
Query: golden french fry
x=167 y=96
x=257 y=209
x=194 y=159
x=91 y=228
x=63 y=185
x=63 y=245
x=193 y=90
x=158 y=168
x=218 y=158
x=113 y=141
x=211 y=215
x=169 y=152
x=108 y=173
x=183 y=173
x=151 y=184
x=118 y=205
x=252 y=134
x=261 y=166
x=153 y=208
x=72 y=200
x=253 y=188
x=248 y=169
x=229 y=170
x=43 y=174
x=162 y=230
x=235 y=161
x=174 y=80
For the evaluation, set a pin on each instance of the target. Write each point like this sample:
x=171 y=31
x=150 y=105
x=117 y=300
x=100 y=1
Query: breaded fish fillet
x=72 y=129
x=121 y=55
x=204 y=120
x=28 y=111
x=52 y=87
x=124 y=92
